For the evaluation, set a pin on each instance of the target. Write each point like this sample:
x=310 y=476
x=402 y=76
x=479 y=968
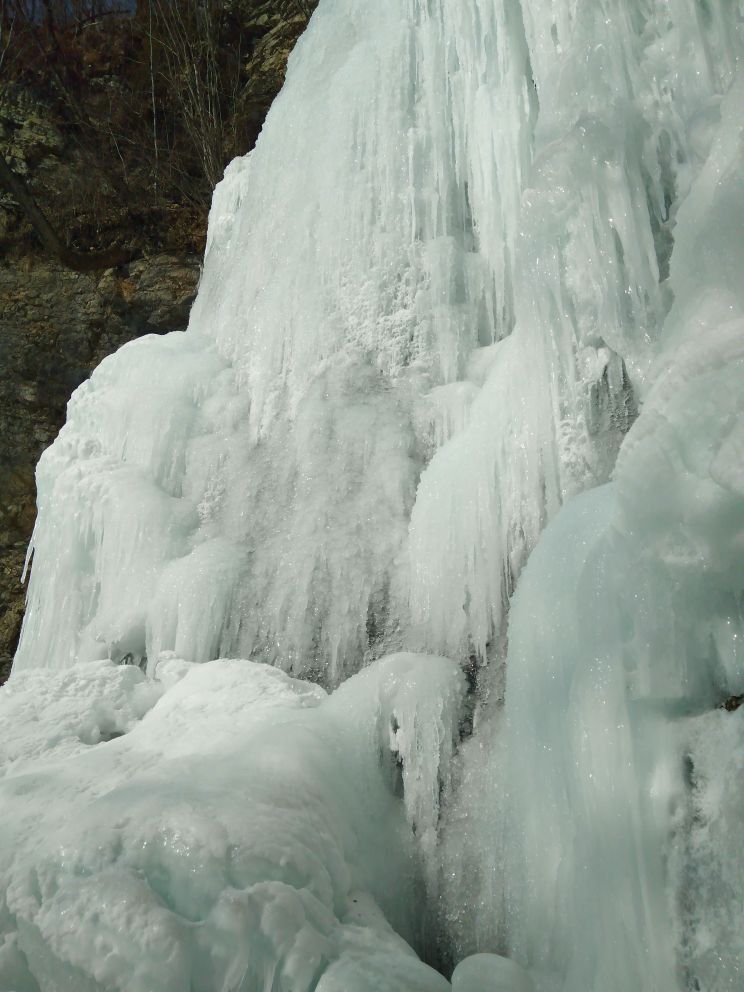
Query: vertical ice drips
x=483 y=256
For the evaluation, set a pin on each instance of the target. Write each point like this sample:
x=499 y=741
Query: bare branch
x=77 y=260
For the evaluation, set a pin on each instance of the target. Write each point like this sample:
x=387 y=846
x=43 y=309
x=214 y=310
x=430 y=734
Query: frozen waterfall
x=462 y=391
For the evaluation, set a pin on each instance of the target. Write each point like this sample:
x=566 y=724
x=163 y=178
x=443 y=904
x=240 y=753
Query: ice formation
x=500 y=317
x=234 y=831
x=608 y=816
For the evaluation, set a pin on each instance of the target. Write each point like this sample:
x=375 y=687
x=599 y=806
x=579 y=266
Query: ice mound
x=244 y=834
x=51 y=716
x=489 y=973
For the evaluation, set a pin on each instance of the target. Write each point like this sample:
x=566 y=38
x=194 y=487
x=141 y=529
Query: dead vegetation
x=138 y=107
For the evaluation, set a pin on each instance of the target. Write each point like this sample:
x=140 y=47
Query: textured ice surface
x=240 y=834
x=708 y=857
x=467 y=277
x=610 y=771
x=504 y=300
x=62 y=714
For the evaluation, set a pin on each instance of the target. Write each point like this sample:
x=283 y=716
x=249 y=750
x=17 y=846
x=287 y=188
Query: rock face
x=56 y=325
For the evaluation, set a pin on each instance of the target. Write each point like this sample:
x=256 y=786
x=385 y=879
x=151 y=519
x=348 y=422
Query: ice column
x=627 y=95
